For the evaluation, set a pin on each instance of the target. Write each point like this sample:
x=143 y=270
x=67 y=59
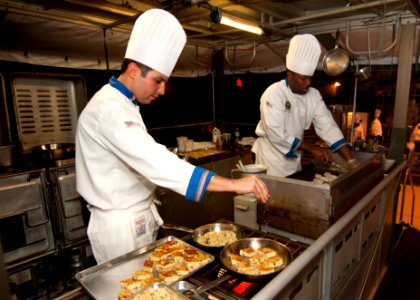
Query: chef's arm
x=244 y=185
x=351 y=161
x=320 y=153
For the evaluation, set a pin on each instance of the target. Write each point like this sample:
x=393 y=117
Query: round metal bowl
x=215 y=227
x=255 y=243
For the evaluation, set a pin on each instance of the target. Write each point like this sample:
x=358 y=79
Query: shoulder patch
x=131 y=123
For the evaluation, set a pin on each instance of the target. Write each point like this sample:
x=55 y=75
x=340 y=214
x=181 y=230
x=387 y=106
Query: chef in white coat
x=289 y=107
x=376 y=127
x=118 y=164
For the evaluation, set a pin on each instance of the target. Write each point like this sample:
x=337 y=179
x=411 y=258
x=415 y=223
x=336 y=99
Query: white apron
x=122 y=231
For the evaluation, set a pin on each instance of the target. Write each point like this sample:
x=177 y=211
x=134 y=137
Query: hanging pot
x=364 y=73
x=336 y=60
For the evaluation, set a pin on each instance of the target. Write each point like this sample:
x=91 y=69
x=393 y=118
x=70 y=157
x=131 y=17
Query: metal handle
x=242 y=207
x=176 y=227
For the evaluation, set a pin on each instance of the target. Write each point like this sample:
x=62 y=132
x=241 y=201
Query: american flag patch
x=269 y=104
x=131 y=123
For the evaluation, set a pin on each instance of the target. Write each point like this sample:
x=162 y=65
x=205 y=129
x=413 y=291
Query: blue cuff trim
x=337 y=145
x=295 y=145
x=198 y=184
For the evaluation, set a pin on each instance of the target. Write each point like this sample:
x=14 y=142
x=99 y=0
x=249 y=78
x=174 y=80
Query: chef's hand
x=252 y=184
x=244 y=185
x=353 y=164
x=322 y=154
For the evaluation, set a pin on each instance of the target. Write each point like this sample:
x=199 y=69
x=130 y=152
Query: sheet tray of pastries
x=197 y=154
x=165 y=261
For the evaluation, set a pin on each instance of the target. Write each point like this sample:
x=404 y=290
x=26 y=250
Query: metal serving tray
x=102 y=282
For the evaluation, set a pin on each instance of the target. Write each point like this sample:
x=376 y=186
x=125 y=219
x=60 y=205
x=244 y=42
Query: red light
x=239 y=82
x=241 y=288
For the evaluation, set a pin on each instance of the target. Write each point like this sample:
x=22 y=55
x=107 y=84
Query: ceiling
x=98 y=31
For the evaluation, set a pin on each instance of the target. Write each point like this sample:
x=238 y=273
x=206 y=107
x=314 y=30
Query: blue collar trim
x=115 y=83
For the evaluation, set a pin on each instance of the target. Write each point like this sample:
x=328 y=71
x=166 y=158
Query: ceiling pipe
x=381 y=50
x=254 y=52
x=339 y=12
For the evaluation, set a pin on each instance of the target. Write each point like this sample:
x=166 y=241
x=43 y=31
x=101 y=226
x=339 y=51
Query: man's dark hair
x=144 y=69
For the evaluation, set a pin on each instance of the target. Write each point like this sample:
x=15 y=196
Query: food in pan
x=275 y=261
x=217 y=238
x=142 y=274
x=252 y=261
x=247 y=252
x=131 y=284
x=148 y=265
x=159 y=255
x=235 y=259
x=181 y=270
x=267 y=251
x=326 y=178
x=167 y=263
x=158 y=292
x=124 y=294
x=169 y=276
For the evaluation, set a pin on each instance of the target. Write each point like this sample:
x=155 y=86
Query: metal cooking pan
x=202 y=230
x=336 y=60
x=255 y=243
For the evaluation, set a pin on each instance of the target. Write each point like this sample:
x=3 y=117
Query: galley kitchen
x=324 y=230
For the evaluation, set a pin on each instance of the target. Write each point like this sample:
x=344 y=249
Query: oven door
x=25 y=226
x=72 y=211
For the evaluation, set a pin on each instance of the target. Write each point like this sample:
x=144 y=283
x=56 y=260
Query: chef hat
x=377 y=113
x=303 y=55
x=156 y=41
x=357 y=118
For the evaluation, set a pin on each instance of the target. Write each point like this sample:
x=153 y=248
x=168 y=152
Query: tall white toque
x=156 y=41
x=303 y=55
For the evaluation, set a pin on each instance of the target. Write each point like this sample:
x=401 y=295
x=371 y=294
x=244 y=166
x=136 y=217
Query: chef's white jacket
x=284 y=118
x=376 y=128
x=118 y=165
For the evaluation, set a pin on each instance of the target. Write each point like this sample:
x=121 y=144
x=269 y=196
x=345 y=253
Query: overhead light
x=216 y=16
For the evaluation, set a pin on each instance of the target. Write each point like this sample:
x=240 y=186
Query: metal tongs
x=205 y=287
x=240 y=166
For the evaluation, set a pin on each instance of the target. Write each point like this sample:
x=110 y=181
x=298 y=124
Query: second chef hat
x=303 y=55
x=156 y=41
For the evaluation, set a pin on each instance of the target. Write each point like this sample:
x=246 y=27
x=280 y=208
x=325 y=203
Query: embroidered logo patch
x=131 y=123
x=140 y=226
